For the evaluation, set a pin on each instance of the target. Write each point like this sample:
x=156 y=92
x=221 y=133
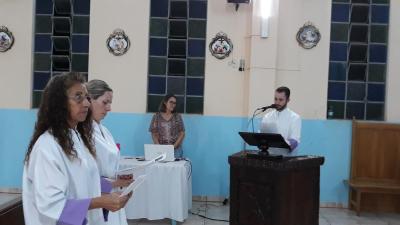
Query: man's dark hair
x=53 y=116
x=286 y=90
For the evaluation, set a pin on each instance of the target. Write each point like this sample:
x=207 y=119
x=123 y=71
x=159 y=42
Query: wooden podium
x=274 y=192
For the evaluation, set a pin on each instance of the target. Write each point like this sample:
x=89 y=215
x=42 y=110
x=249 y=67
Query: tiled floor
x=327 y=216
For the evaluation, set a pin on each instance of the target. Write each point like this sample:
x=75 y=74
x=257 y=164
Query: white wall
x=271 y=62
x=126 y=74
x=280 y=61
x=224 y=91
x=16 y=63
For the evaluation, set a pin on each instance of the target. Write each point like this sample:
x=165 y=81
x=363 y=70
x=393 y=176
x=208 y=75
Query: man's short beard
x=282 y=108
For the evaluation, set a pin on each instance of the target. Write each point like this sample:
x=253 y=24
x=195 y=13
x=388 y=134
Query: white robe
x=287 y=123
x=108 y=161
x=51 y=178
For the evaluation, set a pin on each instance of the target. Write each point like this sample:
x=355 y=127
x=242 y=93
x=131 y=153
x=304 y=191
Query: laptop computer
x=151 y=151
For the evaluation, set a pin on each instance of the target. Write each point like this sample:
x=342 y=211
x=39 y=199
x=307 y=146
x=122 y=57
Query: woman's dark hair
x=162 y=107
x=53 y=116
x=97 y=88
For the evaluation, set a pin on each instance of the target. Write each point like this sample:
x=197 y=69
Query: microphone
x=272 y=106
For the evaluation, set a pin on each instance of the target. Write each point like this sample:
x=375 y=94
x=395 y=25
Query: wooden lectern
x=274 y=191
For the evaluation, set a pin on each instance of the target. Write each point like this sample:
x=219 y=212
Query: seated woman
x=167 y=126
x=61 y=181
x=107 y=151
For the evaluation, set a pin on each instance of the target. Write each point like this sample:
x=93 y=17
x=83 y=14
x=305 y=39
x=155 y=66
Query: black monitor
x=264 y=140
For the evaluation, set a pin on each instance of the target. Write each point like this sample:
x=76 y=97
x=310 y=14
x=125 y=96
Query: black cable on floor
x=205 y=217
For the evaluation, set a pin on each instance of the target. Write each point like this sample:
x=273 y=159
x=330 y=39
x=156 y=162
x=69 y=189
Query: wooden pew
x=375 y=167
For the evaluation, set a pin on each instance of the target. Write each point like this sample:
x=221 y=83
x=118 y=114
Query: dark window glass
x=42 y=43
x=80 y=62
x=377 y=72
x=43 y=24
x=197 y=28
x=336 y=109
x=340 y=0
x=61 y=45
x=360 y=14
x=177 y=48
x=194 y=105
x=176 y=85
x=81 y=7
x=36 y=98
x=356 y=91
x=195 y=67
x=40 y=80
x=380 y=14
x=81 y=24
x=158 y=27
x=180 y=104
x=177 y=29
x=157 y=85
x=340 y=12
x=42 y=62
x=375 y=111
x=157 y=66
x=60 y=63
x=80 y=43
x=359 y=33
x=198 y=9
x=178 y=10
x=44 y=6
x=337 y=71
x=360 y=1
x=339 y=32
x=377 y=53
x=62 y=7
x=61 y=26
x=379 y=34
x=158 y=46
x=197 y=48
x=376 y=92
x=355 y=110
x=159 y=8
x=338 y=52
x=358 y=53
x=357 y=72
x=380 y=1
x=195 y=86
x=176 y=67
x=153 y=102
x=336 y=91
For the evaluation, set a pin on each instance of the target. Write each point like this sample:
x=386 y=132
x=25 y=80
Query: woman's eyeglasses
x=80 y=98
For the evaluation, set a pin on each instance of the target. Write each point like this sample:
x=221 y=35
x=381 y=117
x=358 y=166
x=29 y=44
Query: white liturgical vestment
x=285 y=122
x=54 y=186
x=108 y=156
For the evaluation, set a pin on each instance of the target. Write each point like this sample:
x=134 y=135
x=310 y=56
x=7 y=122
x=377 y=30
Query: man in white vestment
x=283 y=121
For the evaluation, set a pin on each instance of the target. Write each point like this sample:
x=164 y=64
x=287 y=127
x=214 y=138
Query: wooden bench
x=363 y=186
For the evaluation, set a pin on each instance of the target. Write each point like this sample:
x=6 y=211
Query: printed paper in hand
x=134 y=185
x=145 y=164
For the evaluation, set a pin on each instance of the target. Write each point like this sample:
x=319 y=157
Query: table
x=166 y=192
x=11 y=207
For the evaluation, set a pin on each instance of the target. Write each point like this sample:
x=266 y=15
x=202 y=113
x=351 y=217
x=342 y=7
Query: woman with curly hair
x=61 y=181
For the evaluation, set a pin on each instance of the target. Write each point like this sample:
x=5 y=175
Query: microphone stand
x=254 y=115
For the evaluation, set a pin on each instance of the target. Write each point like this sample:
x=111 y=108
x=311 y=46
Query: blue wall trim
x=208 y=143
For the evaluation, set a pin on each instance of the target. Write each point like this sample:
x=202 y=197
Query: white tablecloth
x=166 y=192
